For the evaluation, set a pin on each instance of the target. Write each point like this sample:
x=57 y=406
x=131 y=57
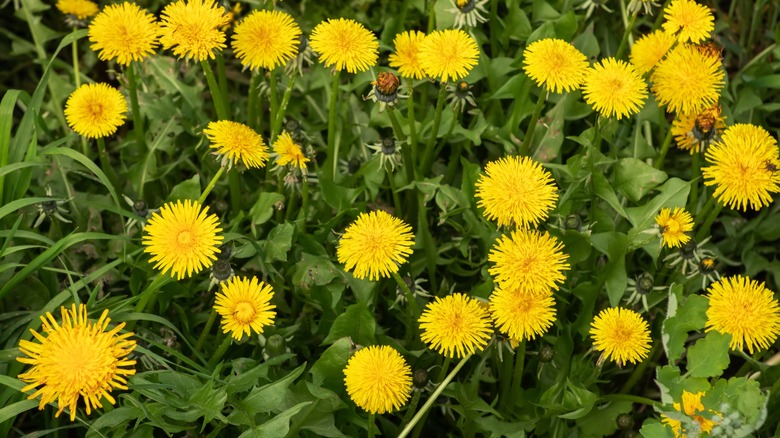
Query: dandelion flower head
x=622 y=335
x=95 y=110
x=193 y=28
x=530 y=260
x=374 y=245
x=614 y=88
x=689 y=20
x=378 y=379
x=407 y=54
x=691 y=406
x=182 y=237
x=516 y=190
x=455 y=325
x=521 y=314
x=345 y=44
x=693 y=132
x=288 y=152
x=555 y=65
x=674 y=226
x=448 y=55
x=266 y=39
x=687 y=81
x=124 y=32
x=245 y=306
x=236 y=141
x=746 y=310
x=81 y=9
x=650 y=49
x=76 y=358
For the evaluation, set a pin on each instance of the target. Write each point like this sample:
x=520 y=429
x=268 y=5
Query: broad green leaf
x=604 y=190
x=268 y=397
x=279 y=242
x=187 y=189
x=673 y=193
x=357 y=322
x=655 y=429
x=328 y=371
x=690 y=316
x=278 y=426
x=635 y=178
x=709 y=356
x=264 y=207
x=614 y=245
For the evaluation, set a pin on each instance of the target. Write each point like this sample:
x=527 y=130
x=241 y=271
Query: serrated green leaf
x=709 y=356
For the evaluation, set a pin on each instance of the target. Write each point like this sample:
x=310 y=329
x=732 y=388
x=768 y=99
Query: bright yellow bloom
x=555 y=65
x=374 y=245
x=407 y=54
x=448 y=54
x=95 y=110
x=455 y=325
x=245 y=306
x=746 y=310
x=744 y=164
x=689 y=20
x=622 y=335
x=288 y=152
x=124 y=32
x=236 y=141
x=378 y=379
x=687 y=81
x=691 y=405
x=81 y=9
x=614 y=88
x=265 y=39
x=192 y=28
x=516 y=191
x=694 y=132
x=521 y=314
x=182 y=238
x=649 y=49
x=528 y=260
x=345 y=44
x=75 y=359
x=674 y=226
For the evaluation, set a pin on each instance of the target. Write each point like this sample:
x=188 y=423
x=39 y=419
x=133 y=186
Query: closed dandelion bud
x=225 y=251
x=645 y=283
x=688 y=251
x=279 y=205
x=221 y=270
x=625 y=421
x=221 y=206
x=353 y=166
x=49 y=207
x=420 y=378
x=573 y=222
x=388 y=146
x=275 y=345
x=386 y=86
x=546 y=354
x=140 y=208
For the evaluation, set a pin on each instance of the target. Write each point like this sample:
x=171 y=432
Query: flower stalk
x=216 y=93
x=333 y=147
x=429 y=147
x=138 y=121
x=526 y=148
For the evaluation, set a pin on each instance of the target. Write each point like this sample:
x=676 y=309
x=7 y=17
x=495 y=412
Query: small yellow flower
x=694 y=132
x=455 y=325
x=614 y=88
x=650 y=49
x=516 y=191
x=182 y=238
x=236 y=141
x=75 y=359
x=448 y=54
x=345 y=44
x=81 y=9
x=95 y=110
x=288 y=152
x=192 y=28
x=555 y=65
x=687 y=81
x=528 y=260
x=743 y=167
x=374 y=245
x=621 y=335
x=689 y=20
x=266 y=39
x=378 y=379
x=521 y=314
x=746 y=310
x=124 y=33
x=245 y=306
x=407 y=54
x=691 y=405
x=674 y=226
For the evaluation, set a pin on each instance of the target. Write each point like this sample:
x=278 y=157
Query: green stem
x=251 y=105
x=145 y=298
x=431 y=15
x=405 y=150
x=234 y=183
x=220 y=351
x=303 y=214
x=704 y=210
x=289 y=207
x=412 y=406
x=528 y=138
x=210 y=185
x=517 y=378
x=695 y=175
x=705 y=227
x=77 y=81
x=206 y=329
x=659 y=162
x=394 y=191
x=428 y=152
x=371 y=425
x=432 y=399
x=412 y=121
x=445 y=366
x=106 y=165
x=277 y=122
x=222 y=80
x=407 y=293
x=630 y=398
x=138 y=121
x=333 y=147
x=640 y=369
x=216 y=93
x=274 y=102
x=505 y=388
x=624 y=40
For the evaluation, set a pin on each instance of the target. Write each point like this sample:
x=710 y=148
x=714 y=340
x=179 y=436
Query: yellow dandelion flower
x=448 y=54
x=374 y=245
x=345 y=44
x=288 y=152
x=192 y=28
x=266 y=39
x=691 y=406
x=516 y=190
x=75 y=359
x=648 y=50
x=744 y=164
x=407 y=54
x=555 y=65
x=95 y=110
x=521 y=314
x=746 y=310
x=528 y=260
x=124 y=33
x=687 y=81
x=674 y=226
x=182 y=237
x=694 y=132
x=455 y=325
x=621 y=335
x=81 y=9
x=245 y=306
x=378 y=379
x=614 y=88
x=236 y=141
x=689 y=20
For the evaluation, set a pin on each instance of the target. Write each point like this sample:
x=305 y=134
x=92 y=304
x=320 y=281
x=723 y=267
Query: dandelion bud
x=645 y=283
x=625 y=421
x=275 y=345
x=221 y=270
x=546 y=354
x=573 y=222
x=420 y=378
